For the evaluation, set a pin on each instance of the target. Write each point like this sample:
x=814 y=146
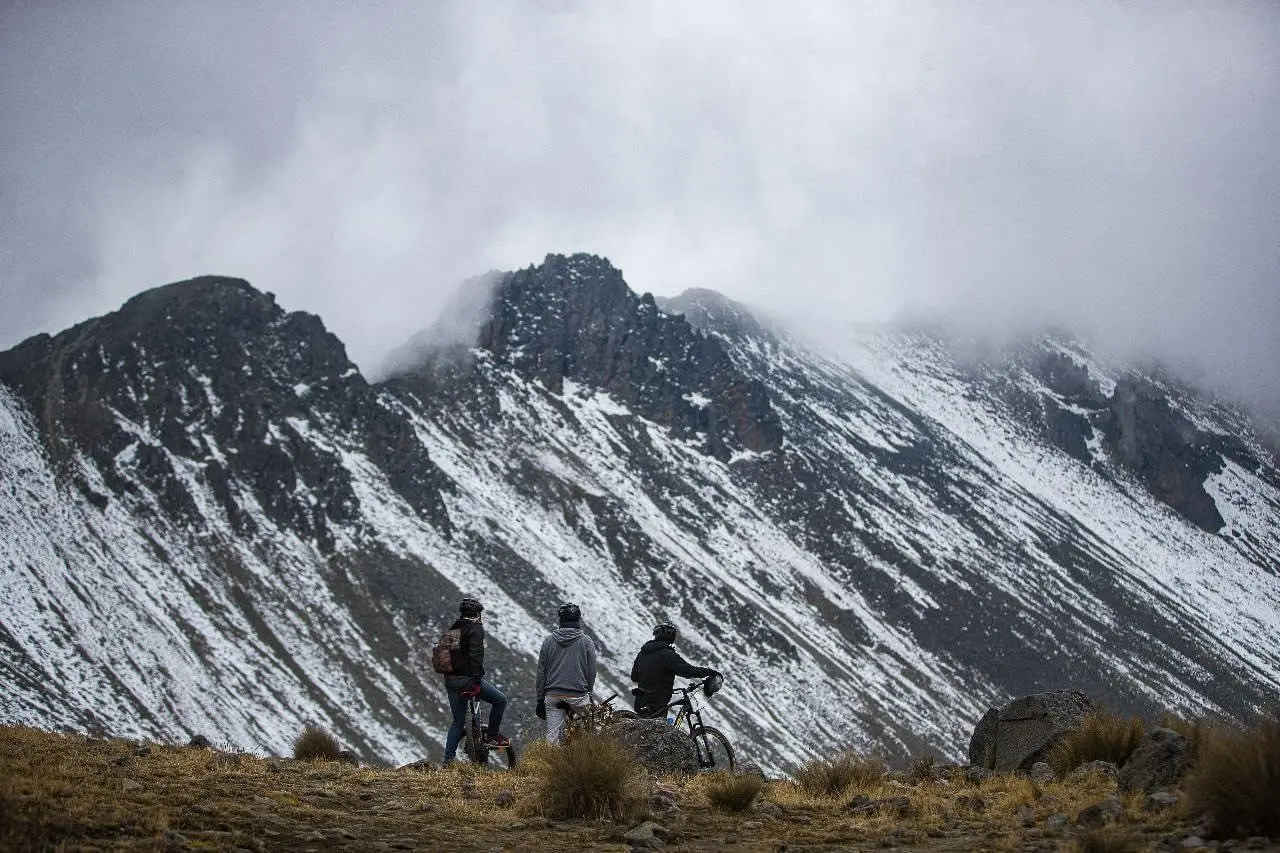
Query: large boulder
x=1161 y=759
x=1020 y=733
x=659 y=747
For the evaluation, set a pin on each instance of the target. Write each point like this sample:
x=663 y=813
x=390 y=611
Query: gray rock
x=1159 y=801
x=199 y=742
x=174 y=840
x=1101 y=768
x=1193 y=842
x=975 y=774
x=768 y=809
x=404 y=844
x=423 y=766
x=1100 y=814
x=663 y=798
x=1041 y=773
x=1159 y=762
x=1056 y=822
x=657 y=746
x=748 y=768
x=1025 y=815
x=648 y=835
x=1020 y=733
x=898 y=806
x=129 y=786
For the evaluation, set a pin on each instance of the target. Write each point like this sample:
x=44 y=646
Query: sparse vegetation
x=316 y=744
x=1237 y=780
x=1110 y=839
x=587 y=777
x=1104 y=736
x=734 y=793
x=834 y=777
x=921 y=769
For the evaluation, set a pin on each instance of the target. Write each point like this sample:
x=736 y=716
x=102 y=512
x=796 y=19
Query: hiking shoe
x=498 y=742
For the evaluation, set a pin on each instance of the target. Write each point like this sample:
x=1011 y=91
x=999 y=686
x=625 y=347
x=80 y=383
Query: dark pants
x=488 y=693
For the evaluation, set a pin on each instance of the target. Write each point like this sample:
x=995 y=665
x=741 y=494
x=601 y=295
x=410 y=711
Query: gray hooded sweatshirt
x=567 y=663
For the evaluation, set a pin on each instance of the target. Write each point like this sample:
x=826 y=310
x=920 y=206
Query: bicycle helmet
x=569 y=613
x=470 y=607
x=713 y=683
x=665 y=632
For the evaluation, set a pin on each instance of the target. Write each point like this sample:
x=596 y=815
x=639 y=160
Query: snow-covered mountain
x=213 y=522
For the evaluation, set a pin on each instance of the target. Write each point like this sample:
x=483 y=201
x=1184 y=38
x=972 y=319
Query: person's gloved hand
x=471 y=690
x=541 y=710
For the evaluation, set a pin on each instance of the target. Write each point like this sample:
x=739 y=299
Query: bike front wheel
x=714 y=751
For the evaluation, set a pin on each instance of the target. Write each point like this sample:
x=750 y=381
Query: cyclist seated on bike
x=566 y=670
x=656 y=668
x=468 y=681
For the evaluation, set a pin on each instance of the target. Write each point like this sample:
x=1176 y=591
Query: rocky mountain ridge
x=213 y=522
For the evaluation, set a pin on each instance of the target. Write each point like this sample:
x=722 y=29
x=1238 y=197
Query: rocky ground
x=70 y=792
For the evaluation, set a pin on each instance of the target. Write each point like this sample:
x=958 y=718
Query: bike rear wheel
x=714 y=751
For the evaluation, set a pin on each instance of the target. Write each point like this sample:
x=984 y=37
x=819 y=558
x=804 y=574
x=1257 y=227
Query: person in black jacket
x=656 y=668
x=468 y=680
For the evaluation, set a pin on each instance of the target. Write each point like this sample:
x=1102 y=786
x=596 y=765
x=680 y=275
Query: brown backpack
x=442 y=653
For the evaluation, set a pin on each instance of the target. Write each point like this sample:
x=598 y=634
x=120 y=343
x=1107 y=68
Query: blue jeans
x=488 y=693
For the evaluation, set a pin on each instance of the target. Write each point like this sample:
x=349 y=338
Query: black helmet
x=665 y=632
x=470 y=607
x=569 y=613
x=713 y=683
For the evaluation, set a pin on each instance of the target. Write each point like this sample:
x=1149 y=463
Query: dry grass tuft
x=315 y=744
x=833 y=777
x=1237 y=780
x=921 y=769
x=1110 y=839
x=1103 y=737
x=733 y=793
x=586 y=778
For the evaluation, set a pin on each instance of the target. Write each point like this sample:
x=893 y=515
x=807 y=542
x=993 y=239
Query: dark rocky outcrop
x=1023 y=731
x=1159 y=762
x=658 y=747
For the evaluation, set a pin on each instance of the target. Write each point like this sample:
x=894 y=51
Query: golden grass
x=1237 y=780
x=733 y=793
x=1102 y=737
x=587 y=777
x=834 y=777
x=316 y=744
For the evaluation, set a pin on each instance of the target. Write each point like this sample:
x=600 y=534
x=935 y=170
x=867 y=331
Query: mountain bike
x=475 y=732
x=713 y=749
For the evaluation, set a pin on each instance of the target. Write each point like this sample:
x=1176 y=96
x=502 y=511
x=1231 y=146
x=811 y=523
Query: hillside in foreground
x=71 y=792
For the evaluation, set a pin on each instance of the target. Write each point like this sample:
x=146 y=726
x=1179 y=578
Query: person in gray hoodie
x=566 y=671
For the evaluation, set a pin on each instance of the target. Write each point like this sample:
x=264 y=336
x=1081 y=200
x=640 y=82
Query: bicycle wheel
x=714 y=752
x=473 y=739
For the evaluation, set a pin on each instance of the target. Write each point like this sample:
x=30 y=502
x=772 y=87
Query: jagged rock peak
x=715 y=313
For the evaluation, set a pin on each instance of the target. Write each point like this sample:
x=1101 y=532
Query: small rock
x=748 y=768
x=765 y=808
x=977 y=774
x=200 y=742
x=648 y=835
x=517 y=825
x=899 y=806
x=504 y=798
x=1101 y=768
x=174 y=840
x=349 y=757
x=314 y=836
x=858 y=802
x=1159 y=801
x=129 y=786
x=663 y=798
x=1041 y=773
x=404 y=844
x=346 y=833
x=1056 y=822
x=1025 y=815
x=750 y=825
x=1100 y=814
x=1193 y=842
x=423 y=766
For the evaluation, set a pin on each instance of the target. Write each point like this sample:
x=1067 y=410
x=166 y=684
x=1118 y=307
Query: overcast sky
x=1110 y=166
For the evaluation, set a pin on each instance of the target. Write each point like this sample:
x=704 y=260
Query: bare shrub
x=734 y=793
x=1236 y=780
x=1104 y=736
x=315 y=744
x=586 y=778
x=1110 y=839
x=832 y=777
x=921 y=769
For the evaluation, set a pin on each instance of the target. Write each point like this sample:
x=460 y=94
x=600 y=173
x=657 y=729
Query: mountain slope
x=213 y=522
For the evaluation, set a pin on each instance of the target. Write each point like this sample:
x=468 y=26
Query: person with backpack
x=566 y=671
x=459 y=656
x=655 y=670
